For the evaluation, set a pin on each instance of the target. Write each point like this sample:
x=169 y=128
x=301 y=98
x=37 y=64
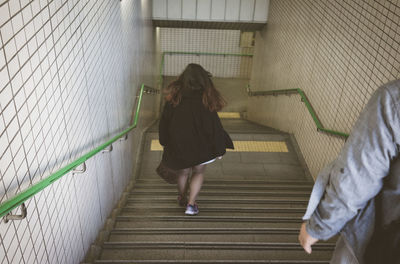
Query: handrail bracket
x=108 y=149
x=75 y=171
x=10 y=217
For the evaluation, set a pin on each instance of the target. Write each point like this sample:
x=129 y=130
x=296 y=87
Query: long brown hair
x=196 y=78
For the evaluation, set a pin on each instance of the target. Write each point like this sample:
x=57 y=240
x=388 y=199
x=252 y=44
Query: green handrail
x=310 y=109
x=20 y=198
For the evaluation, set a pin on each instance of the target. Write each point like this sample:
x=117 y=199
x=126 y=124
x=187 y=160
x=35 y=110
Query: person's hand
x=306 y=241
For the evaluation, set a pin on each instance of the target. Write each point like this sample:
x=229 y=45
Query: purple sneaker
x=192 y=209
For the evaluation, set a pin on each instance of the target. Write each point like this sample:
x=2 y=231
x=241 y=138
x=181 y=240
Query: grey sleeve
x=356 y=176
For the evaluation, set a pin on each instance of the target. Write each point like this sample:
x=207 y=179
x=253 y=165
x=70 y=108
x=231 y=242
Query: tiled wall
x=69 y=71
x=204 y=40
x=338 y=51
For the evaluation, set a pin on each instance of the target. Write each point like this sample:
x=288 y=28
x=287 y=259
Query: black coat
x=191 y=134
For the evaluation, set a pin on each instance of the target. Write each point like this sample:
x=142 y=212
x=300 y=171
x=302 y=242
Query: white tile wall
x=204 y=40
x=338 y=52
x=69 y=72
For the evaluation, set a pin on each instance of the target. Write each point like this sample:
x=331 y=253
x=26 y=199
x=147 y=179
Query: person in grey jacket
x=358 y=194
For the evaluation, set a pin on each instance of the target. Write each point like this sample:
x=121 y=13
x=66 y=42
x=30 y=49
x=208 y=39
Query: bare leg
x=182 y=181
x=196 y=182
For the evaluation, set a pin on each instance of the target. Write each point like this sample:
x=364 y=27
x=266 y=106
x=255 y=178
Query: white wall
x=338 y=52
x=69 y=71
x=208 y=41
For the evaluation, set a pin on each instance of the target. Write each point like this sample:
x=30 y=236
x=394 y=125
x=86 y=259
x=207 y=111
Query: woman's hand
x=306 y=241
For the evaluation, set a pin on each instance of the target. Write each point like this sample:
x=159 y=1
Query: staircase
x=251 y=206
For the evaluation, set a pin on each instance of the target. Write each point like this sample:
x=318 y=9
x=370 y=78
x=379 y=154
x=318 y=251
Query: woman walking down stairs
x=252 y=202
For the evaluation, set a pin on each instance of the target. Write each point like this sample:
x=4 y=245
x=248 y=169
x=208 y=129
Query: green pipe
x=310 y=109
x=333 y=132
x=17 y=200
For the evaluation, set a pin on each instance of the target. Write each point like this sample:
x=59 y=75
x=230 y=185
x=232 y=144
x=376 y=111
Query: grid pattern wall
x=204 y=40
x=69 y=71
x=339 y=52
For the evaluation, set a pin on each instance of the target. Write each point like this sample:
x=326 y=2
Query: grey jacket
x=343 y=199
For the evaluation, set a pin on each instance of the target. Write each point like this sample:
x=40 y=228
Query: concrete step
x=214 y=211
x=224 y=191
x=179 y=250
x=222 y=186
x=232 y=182
x=206 y=234
x=221 y=194
x=224 y=202
x=199 y=221
x=147 y=203
x=243 y=174
x=211 y=261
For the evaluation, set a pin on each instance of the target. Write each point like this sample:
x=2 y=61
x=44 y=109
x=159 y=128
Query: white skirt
x=204 y=163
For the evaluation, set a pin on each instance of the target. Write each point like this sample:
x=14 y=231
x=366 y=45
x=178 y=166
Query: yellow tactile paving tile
x=242 y=146
x=155 y=145
x=259 y=146
x=229 y=115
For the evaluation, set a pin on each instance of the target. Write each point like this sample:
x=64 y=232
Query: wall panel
x=338 y=52
x=206 y=41
x=69 y=72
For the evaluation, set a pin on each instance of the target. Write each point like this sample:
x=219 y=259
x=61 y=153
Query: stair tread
x=207 y=211
x=216 y=208
x=215 y=245
x=212 y=250
x=222 y=192
x=226 y=195
x=199 y=218
x=237 y=182
x=223 y=199
x=212 y=230
x=217 y=199
x=213 y=261
x=226 y=186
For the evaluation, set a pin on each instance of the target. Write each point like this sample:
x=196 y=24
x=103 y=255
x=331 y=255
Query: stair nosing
x=206 y=199
x=205 y=230
x=213 y=261
x=266 y=182
x=162 y=261
x=207 y=219
x=218 y=209
x=215 y=245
